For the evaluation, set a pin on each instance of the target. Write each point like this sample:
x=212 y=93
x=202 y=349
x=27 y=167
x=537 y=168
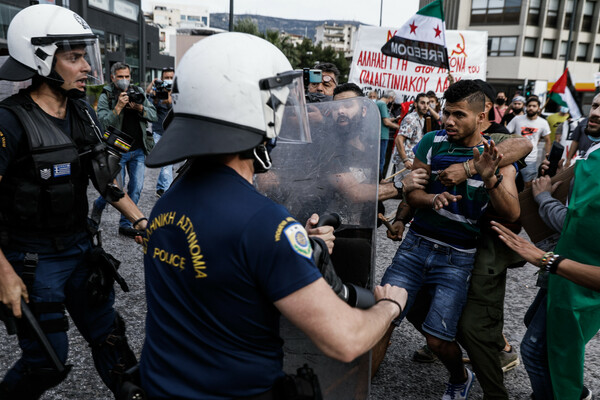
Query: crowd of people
x=215 y=296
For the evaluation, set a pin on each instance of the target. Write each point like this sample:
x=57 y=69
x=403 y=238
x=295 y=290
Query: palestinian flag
x=422 y=39
x=563 y=94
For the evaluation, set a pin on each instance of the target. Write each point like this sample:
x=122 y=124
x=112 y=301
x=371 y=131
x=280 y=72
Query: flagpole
x=571 y=25
x=380 y=12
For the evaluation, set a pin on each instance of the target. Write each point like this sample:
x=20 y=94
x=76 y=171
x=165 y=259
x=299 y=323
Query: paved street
x=398 y=378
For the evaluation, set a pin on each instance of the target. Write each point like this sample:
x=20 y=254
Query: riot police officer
x=51 y=146
x=222 y=261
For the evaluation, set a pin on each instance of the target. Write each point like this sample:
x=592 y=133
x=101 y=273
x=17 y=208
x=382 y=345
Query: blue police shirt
x=218 y=254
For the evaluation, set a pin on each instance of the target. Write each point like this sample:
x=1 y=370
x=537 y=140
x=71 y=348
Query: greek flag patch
x=59 y=170
x=298 y=239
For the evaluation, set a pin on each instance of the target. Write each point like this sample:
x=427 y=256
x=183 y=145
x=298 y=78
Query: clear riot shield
x=336 y=173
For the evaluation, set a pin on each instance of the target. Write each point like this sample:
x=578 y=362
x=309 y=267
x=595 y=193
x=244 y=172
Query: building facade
x=339 y=37
x=121 y=31
x=170 y=17
x=528 y=39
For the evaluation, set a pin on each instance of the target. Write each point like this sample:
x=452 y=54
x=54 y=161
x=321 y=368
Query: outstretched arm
x=512 y=150
x=338 y=330
x=585 y=275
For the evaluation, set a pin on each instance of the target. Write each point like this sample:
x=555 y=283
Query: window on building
x=205 y=21
x=529 y=47
x=597 y=54
x=499 y=12
x=132 y=57
x=113 y=42
x=582 y=51
x=193 y=18
x=7 y=13
x=552 y=15
x=562 y=50
x=588 y=15
x=548 y=48
x=569 y=14
x=502 y=46
x=533 y=16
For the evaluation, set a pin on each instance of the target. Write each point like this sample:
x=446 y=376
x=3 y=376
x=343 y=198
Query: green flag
x=574 y=311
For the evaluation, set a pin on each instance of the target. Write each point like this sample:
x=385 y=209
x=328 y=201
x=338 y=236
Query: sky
x=395 y=12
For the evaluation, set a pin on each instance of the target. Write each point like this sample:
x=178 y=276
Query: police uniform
x=43 y=208
x=218 y=254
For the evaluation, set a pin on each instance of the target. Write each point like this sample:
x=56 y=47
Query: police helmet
x=231 y=93
x=37 y=32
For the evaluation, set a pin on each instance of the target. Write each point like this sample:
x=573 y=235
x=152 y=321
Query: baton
x=387 y=224
x=41 y=338
x=393 y=175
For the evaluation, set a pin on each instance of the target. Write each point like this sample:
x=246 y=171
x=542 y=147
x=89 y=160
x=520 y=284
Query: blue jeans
x=382 y=150
x=133 y=163
x=534 y=351
x=61 y=277
x=165 y=178
x=420 y=262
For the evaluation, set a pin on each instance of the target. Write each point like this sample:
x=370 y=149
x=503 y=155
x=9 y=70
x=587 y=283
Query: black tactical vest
x=43 y=193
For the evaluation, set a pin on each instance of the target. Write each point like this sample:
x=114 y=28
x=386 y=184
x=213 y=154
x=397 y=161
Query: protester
x=130 y=115
x=386 y=124
x=516 y=108
x=439 y=230
x=500 y=107
x=219 y=304
x=161 y=98
x=580 y=142
x=329 y=80
x=533 y=127
x=573 y=283
x=556 y=119
x=481 y=323
x=433 y=120
x=46 y=255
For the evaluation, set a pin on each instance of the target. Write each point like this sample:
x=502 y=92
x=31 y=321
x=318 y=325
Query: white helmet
x=35 y=34
x=231 y=93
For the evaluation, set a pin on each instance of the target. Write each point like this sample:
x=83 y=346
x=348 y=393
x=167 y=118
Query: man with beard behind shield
x=348 y=117
x=222 y=261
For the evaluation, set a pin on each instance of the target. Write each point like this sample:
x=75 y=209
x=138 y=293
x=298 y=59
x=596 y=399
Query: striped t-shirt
x=457 y=224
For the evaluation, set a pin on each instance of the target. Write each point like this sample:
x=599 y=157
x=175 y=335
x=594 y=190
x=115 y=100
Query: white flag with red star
x=422 y=39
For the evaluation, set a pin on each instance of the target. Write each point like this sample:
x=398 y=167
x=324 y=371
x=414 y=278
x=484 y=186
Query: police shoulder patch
x=298 y=239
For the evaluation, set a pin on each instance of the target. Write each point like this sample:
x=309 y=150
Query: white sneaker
x=459 y=391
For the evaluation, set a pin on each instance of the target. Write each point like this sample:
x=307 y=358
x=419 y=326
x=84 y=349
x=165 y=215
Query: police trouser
x=482 y=320
x=61 y=278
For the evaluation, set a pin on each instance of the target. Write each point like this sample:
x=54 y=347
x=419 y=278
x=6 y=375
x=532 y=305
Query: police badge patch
x=298 y=239
x=45 y=173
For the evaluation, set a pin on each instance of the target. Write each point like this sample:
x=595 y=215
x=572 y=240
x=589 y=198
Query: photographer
x=125 y=107
x=159 y=92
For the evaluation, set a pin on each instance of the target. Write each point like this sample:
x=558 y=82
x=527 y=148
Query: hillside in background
x=296 y=26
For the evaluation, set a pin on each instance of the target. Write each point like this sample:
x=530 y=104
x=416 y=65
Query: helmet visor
x=285 y=108
x=86 y=53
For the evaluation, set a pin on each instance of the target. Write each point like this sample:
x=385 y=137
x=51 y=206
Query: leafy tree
x=304 y=55
x=247 y=25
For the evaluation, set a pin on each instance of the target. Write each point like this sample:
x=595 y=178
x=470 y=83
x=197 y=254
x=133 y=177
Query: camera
x=162 y=89
x=311 y=76
x=135 y=96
